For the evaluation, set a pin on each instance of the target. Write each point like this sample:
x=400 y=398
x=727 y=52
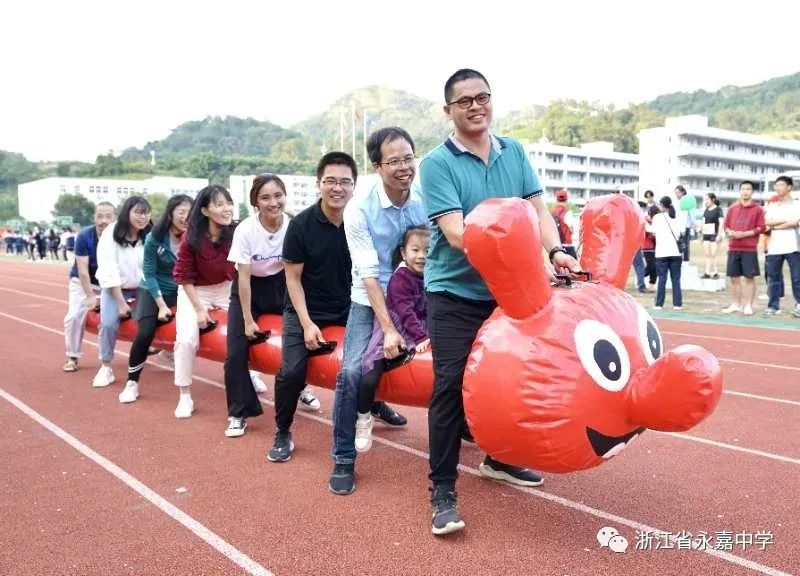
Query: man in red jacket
x=744 y=222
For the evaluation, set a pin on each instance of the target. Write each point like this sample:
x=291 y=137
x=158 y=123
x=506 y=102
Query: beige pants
x=187 y=333
x=75 y=320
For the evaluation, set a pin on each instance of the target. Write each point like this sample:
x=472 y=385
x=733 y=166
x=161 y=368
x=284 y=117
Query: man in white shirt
x=782 y=219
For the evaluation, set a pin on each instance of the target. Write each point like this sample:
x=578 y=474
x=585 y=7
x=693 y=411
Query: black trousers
x=291 y=378
x=650 y=265
x=267 y=295
x=146 y=315
x=453 y=323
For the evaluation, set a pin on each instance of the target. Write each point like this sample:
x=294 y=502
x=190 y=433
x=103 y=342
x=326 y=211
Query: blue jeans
x=357 y=335
x=671 y=264
x=638 y=267
x=774 y=268
x=109 y=322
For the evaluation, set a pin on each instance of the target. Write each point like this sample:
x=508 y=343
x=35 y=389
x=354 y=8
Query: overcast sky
x=79 y=78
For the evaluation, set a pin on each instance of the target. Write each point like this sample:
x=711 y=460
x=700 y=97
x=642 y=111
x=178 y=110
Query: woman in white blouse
x=120 y=254
x=668 y=232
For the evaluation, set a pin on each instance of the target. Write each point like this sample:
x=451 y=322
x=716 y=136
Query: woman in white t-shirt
x=667 y=231
x=120 y=255
x=259 y=288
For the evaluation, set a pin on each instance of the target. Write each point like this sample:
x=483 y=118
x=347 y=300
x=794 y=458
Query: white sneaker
x=748 y=311
x=104 y=377
x=166 y=357
x=364 y=432
x=309 y=401
x=130 y=393
x=258 y=383
x=677 y=307
x=731 y=309
x=185 y=407
x=236 y=427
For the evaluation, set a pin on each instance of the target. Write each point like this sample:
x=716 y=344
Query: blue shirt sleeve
x=81 y=245
x=439 y=191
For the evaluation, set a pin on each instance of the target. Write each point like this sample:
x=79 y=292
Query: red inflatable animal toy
x=560 y=378
x=563 y=377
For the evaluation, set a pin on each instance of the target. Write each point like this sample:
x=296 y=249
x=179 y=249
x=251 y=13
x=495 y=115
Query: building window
x=708 y=184
x=77 y=189
x=91 y=189
x=62 y=189
x=105 y=189
x=731 y=147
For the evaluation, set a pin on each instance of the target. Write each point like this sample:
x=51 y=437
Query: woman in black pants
x=259 y=288
x=158 y=291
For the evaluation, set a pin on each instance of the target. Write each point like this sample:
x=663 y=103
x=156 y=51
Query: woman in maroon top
x=203 y=274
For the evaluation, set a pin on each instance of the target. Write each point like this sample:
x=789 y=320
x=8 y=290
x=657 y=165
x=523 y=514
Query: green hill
x=423 y=119
x=770 y=107
x=228 y=136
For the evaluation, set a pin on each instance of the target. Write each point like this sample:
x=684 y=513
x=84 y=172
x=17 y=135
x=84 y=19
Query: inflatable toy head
x=564 y=377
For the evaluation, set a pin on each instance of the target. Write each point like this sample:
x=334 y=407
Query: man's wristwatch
x=555 y=250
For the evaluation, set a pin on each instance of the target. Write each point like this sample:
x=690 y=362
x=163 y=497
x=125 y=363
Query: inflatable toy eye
x=651 y=341
x=603 y=355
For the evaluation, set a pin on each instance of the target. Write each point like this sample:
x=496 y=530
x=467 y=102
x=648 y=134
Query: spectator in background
x=711 y=231
x=743 y=224
x=667 y=230
x=638 y=261
x=649 y=199
x=687 y=204
x=649 y=246
x=565 y=222
x=783 y=218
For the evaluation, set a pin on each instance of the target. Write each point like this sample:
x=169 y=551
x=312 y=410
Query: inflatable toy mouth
x=609 y=446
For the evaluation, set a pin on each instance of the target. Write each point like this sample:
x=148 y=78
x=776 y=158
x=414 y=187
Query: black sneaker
x=466 y=436
x=385 y=413
x=495 y=470
x=343 y=479
x=282 y=448
x=445 y=518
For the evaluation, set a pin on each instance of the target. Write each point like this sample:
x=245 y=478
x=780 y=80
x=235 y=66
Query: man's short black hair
x=390 y=134
x=337 y=158
x=458 y=76
x=786 y=180
x=747 y=182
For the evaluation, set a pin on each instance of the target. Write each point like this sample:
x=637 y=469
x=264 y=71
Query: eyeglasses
x=397 y=162
x=344 y=182
x=466 y=102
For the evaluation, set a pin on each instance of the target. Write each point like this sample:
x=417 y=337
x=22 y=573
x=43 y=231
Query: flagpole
x=341 y=128
x=353 y=125
x=365 y=141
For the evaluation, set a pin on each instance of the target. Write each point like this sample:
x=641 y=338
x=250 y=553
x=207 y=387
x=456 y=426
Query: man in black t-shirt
x=318 y=280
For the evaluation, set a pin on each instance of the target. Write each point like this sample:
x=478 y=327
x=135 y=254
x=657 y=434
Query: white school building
x=37 y=199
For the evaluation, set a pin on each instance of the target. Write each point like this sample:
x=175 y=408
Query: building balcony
x=787 y=162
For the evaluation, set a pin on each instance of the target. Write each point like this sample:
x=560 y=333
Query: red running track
x=237 y=514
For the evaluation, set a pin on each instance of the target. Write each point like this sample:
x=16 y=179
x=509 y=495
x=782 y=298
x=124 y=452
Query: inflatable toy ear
x=612 y=230
x=502 y=241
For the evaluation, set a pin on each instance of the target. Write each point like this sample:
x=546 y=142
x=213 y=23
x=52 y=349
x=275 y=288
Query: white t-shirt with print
x=783 y=241
x=255 y=245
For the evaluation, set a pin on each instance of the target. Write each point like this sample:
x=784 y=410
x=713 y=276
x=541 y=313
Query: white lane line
x=29 y=295
x=759 y=364
x=596 y=512
x=726 y=339
x=228 y=550
x=62 y=285
x=758 y=397
x=734 y=447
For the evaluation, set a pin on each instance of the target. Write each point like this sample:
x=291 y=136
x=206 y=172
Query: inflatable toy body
x=560 y=378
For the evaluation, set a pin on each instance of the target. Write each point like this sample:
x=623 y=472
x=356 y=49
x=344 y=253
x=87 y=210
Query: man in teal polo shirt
x=469 y=167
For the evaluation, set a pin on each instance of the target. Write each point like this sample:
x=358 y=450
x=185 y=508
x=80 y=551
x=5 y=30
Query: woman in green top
x=158 y=291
